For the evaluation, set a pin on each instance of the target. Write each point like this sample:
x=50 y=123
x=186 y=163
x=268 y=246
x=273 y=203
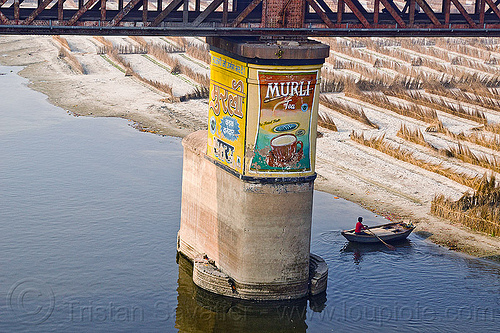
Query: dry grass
x=356 y=113
x=464 y=154
x=471 y=97
x=459 y=151
x=411 y=110
x=404 y=155
x=104 y=42
x=158 y=85
x=198 y=51
x=463 y=46
x=474 y=137
x=62 y=41
x=333 y=81
x=494 y=128
x=326 y=121
x=438 y=103
x=461 y=77
x=441 y=68
x=161 y=53
x=71 y=60
x=415 y=136
x=479 y=211
x=198 y=93
x=122 y=49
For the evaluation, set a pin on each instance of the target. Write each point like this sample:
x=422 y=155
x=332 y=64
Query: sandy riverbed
x=391 y=188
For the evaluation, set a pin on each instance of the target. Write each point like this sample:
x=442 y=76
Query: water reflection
x=201 y=311
x=359 y=250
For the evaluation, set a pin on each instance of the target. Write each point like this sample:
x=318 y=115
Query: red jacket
x=359 y=227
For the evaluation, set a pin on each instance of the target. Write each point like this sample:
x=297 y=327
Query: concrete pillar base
x=318 y=275
x=208 y=277
x=248 y=238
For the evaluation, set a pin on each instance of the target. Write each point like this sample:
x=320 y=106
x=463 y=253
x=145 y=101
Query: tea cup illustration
x=285 y=147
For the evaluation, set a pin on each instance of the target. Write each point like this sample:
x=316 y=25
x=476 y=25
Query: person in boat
x=360 y=227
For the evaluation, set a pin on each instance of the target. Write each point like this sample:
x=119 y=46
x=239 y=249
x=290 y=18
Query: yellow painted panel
x=227 y=111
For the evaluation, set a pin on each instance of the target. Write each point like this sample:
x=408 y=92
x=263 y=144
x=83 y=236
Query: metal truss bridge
x=273 y=18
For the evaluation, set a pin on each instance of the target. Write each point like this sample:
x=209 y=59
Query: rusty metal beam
x=245 y=13
x=358 y=13
x=412 y=12
x=80 y=12
x=457 y=29
x=428 y=11
x=36 y=12
x=493 y=7
x=464 y=13
x=393 y=13
x=340 y=11
x=3 y=18
x=491 y=10
x=225 y=9
x=325 y=7
x=185 y=12
x=209 y=10
x=103 y=10
x=446 y=11
x=164 y=13
x=321 y=14
x=481 y=11
x=60 y=10
x=321 y=18
x=16 y=9
x=118 y=17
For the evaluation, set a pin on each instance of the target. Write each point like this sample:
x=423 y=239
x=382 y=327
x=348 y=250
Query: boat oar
x=389 y=246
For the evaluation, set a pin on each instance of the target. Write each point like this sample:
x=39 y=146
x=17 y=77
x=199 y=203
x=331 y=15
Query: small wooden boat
x=390 y=232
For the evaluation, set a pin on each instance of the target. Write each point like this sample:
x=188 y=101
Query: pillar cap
x=305 y=49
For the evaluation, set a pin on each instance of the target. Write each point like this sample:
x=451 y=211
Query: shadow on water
x=198 y=310
x=358 y=250
x=423 y=234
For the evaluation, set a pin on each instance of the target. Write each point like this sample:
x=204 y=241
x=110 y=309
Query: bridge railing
x=252 y=17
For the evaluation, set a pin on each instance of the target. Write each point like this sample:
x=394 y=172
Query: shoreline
x=114 y=95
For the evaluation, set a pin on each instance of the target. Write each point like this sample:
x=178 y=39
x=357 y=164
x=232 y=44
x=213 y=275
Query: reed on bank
x=439 y=103
x=411 y=110
x=346 y=109
x=479 y=211
x=71 y=60
x=326 y=121
x=161 y=54
x=491 y=142
x=399 y=153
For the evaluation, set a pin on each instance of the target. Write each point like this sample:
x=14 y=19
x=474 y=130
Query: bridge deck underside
x=244 y=18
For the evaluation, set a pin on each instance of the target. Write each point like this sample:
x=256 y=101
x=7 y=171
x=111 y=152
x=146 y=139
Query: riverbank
x=391 y=188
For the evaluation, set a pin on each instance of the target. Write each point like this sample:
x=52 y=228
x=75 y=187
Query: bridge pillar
x=248 y=181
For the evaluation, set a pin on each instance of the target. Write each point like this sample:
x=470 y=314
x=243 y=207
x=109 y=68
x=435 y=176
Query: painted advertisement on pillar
x=283 y=139
x=227 y=110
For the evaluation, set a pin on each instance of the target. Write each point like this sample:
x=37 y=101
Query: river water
x=89 y=212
